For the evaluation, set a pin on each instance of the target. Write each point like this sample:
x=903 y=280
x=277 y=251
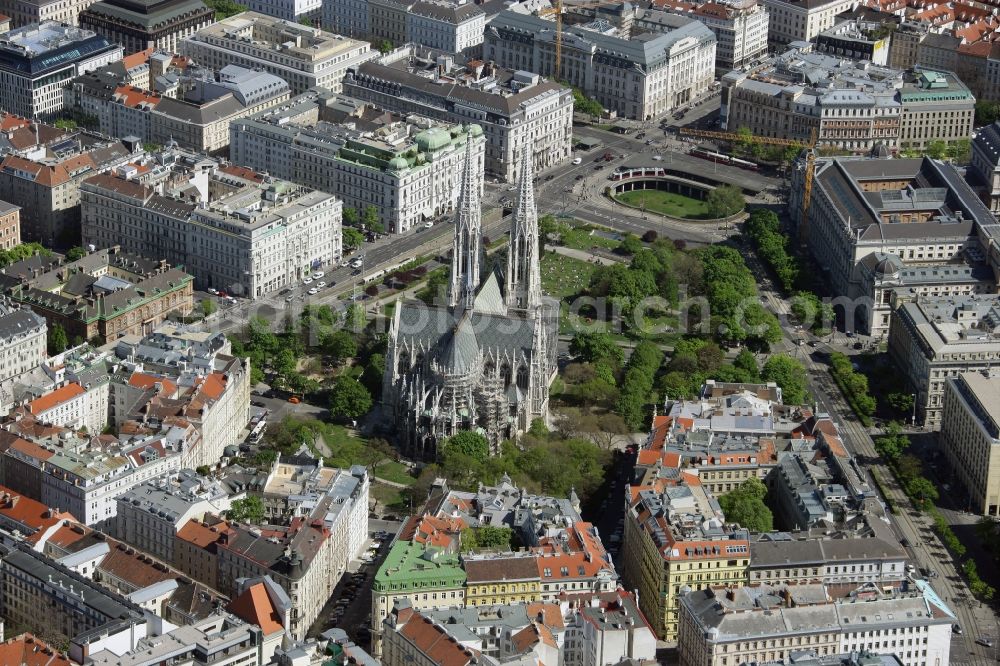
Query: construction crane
x=558 y=11
x=809 y=146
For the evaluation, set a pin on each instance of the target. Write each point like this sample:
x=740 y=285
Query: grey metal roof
x=145 y=15
x=17 y=321
x=430 y=327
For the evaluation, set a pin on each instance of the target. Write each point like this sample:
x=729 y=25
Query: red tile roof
x=26 y=650
x=31 y=514
x=435 y=644
x=254 y=606
x=134 y=568
x=56 y=397
x=242 y=172
x=137 y=58
x=9 y=121
x=146 y=381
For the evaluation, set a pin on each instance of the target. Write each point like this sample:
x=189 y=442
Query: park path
x=583 y=255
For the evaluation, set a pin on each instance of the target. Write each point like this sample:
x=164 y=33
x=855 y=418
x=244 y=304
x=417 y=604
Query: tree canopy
x=57 y=339
x=486 y=537
x=789 y=374
x=468 y=443
x=249 y=509
x=350 y=399
x=725 y=200
x=746 y=506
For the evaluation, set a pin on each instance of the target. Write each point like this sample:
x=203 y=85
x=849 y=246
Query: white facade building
x=74 y=406
x=796 y=21
x=244 y=233
x=635 y=76
x=22 y=341
x=515 y=109
x=447 y=27
x=407 y=169
x=287 y=10
x=740 y=28
x=304 y=57
x=37 y=61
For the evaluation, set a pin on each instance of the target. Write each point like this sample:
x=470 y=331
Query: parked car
x=318 y=274
x=212 y=291
x=577 y=160
x=307 y=281
x=985 y=641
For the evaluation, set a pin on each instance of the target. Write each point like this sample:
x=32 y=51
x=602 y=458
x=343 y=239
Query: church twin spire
x=523 y=288
x=468 y=235
x=524 y=283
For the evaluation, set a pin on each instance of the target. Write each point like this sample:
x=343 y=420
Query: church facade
x=484 y=359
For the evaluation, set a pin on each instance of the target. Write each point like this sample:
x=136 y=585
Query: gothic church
x=484 y=361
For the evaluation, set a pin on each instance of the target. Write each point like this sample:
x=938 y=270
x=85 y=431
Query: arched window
x=505 y=372
x=522 y=377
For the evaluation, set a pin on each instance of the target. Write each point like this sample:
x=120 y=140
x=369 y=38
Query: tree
x=606 y=430
x=65 y=124
x=746 y=362
x=350 y=216
x=371 y=219
x=789 y=375
x=305 y=20
x=901 y=401
x=936 y=149
x=20 y=252
x=151 y=147
x=208 y=306
x=724 y=201
x=597 y=347
x=225 y=8
x=385 y=46
x=352 y=238
x=586 y=105
x=341 y=345
x=468 y=443
x=746 y=506
x=986 y=112
x=58 y=341
x=893 y=443
x=350 y=399
x=630 y=244
x=250 y=509
x=922 y=490
x=203 y=470
x=486 y=537
x=75 y=253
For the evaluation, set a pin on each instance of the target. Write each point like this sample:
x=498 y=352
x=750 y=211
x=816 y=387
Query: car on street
x=320 y=285
x=307 y=281
x=289 y=299
x=318 y=274
x=985 y=641
x=956 y=629
x=212 y=291
x=428 y=225
x=313 y=291
x=577 y=160
x=657 y=157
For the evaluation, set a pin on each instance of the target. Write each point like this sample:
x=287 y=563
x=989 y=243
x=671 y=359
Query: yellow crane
x=808 y=146
x=558 y=11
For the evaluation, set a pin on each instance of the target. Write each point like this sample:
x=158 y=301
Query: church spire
x=468 y=235
x=524 y=282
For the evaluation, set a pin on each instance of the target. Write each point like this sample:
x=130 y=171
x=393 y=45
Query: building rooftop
x=148 y=14
x=410 y=566
x=36 y=49
x=967 y=323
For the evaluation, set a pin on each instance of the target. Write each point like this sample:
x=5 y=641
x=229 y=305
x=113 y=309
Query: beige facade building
x=25 y=12
x=727 y=626
x=932 y=340
x=305 y=57
x=10 y=225
x=970 y=437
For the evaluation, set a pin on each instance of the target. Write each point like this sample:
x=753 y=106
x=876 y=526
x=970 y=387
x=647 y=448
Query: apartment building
x=848 y=104
x=73 y=406
x=932 y=340
x=501 y=579
x=138 y=25
x=231 y=228
x=43 y=174
x=23 y=336
x=38 y=592
x=970 y=436
x=740 y=28
x=919 y=213
x=863 y=553
x=26 y=12
x=296 y=11
x=445 y=26
x=197 y=119
x=180 y=367
x=346 y=17
x=305 y=57
x=425 y=575
x=725 y=625
x=10 y=225
x=515 y=109
x=802 y=20
x=407 y=169
x=676 y=538
x=38 y=59
x=150 y=514
x=639 y=76
x=857 y=40
x=105 y=295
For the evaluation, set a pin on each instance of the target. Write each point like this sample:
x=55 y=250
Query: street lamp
x=913 y=419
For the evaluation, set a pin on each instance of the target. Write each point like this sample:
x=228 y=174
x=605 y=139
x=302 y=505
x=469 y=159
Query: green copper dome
x=474 y=130
x=398 y=163
x=433 y=139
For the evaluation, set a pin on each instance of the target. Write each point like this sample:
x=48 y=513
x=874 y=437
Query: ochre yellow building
x=494 y=580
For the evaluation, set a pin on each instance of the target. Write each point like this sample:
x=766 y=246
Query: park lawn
x=565 y=276
x=391 y=470
x=668 y=203
x=578 y=236
x=387 y=496
x=347 y=449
